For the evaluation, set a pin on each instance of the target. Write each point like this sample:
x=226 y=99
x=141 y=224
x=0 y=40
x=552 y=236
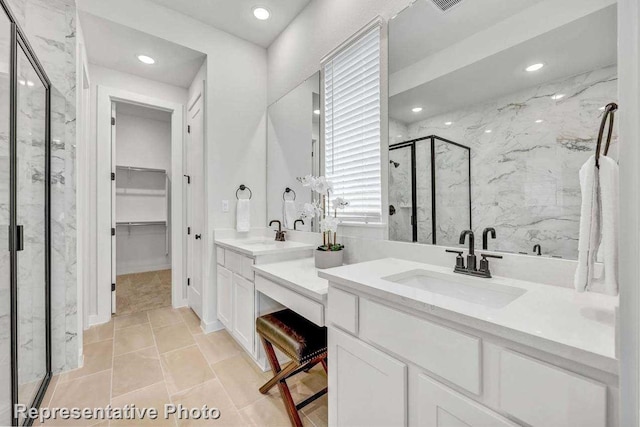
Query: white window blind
x=352 y=127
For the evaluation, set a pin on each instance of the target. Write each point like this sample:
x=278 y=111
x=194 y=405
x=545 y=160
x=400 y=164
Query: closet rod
x=140 y=169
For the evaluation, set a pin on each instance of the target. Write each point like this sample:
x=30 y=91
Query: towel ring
x=242 y=188
x=609 y=112
x=287 y=191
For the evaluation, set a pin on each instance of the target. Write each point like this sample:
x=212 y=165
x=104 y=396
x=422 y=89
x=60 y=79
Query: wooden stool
x=302 y=341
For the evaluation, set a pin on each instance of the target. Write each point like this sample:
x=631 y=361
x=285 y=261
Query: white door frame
x=106 y=95
x=629 y=246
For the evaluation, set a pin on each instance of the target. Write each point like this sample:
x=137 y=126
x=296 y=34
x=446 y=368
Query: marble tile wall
x=525 y=171
x=50 y=27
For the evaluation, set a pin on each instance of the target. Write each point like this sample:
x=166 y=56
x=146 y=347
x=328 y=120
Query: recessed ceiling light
x=30 y=83
x=488 y=131
x=22 y=82
x=399 y=136
x=146 y=59
x=448 y=123
x=261 y=13
x=316 y=112
x=416 y=109
x=534 y=67
x=539 y=121
x=558 y=96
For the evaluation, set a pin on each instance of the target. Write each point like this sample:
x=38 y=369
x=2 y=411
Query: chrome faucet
x=279 y=233
x=470 y=269
x=537 y=249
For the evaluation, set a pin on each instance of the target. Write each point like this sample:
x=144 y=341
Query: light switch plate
x=225 y=206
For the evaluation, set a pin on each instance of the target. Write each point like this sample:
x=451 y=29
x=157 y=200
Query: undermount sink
x=465 y=289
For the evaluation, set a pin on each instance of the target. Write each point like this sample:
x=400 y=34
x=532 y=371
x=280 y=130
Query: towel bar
x=242 y=188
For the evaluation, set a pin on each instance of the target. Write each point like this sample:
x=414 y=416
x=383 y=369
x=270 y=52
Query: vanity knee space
x=448 y=374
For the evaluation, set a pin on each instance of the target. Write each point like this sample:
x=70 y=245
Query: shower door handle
x=20 y=238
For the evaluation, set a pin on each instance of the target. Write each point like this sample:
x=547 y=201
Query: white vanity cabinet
x=236 y=297
x=364 y=377
x=395 y=366
x=239 y=302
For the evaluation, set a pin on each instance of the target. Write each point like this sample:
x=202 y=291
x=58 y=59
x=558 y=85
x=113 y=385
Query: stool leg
x=289 y=404
x=324 y=365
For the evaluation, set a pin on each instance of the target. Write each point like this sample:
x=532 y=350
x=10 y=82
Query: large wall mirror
x=493 y=108
x=293 y=150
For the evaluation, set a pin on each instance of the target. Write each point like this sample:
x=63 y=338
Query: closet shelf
x=140 y=223
x=140 y=169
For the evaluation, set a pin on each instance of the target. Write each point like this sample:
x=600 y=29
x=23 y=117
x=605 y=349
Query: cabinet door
x=368 y=387
x=442 y=407
x=225 y=296
x=244 y=312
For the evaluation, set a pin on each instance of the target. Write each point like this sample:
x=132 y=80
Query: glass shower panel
x=400 y=195
x=30 y=207
x=5 y=254
x=423 y=193
x=453 y=202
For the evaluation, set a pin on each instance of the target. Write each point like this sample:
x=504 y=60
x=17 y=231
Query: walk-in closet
x=141 y=147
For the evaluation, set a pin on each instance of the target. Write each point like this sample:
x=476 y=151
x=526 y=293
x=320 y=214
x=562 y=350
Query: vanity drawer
x=452 y=355
x=220 y=255
x=233 y=261
x=543 y=395
x=343 y=310
x=247 y=268
x=302 y=305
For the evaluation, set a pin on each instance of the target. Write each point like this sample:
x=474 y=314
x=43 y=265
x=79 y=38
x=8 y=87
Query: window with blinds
x=352 y=127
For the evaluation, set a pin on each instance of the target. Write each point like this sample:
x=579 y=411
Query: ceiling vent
x=445 y=5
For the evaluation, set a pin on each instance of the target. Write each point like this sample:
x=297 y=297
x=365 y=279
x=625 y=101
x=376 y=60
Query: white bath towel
x=609 y=198
x=289 y=213
x=243 y=216
x=598 y=224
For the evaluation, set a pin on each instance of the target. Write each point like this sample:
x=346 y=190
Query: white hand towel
x=598 y=226
x=589 y=225
x=243 y=216
x=609 y=196
x=289 y=213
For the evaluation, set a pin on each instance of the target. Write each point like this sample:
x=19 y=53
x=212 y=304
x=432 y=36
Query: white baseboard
x=91 y=320
x=181 y=303
x=80 y=358
x=211 y=326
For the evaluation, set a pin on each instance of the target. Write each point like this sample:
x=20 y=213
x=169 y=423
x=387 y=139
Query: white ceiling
x=422 y=29
x=583 y=45
x=236 y=16
x=117 y=47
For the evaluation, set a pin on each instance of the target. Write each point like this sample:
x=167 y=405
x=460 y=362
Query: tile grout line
x=164 y=377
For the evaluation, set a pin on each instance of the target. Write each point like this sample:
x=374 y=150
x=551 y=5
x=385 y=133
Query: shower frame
x=20 y=41
x=411 y=144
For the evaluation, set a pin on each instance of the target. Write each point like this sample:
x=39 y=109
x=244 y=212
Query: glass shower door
x=5 y=203
x=31 y=218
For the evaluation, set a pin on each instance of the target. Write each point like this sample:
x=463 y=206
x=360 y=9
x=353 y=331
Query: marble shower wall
x=51 y=29
x=524 y=173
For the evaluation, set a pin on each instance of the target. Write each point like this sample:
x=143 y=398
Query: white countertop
x=577 y=326
x=300 y=275
x=262 y=246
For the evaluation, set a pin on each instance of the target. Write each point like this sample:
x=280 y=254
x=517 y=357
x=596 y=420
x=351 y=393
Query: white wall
x=101 y=76
x=236 y=102
x=142 y=142
x=321 y=27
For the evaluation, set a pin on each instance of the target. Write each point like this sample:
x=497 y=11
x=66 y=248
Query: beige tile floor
x=161 y=356
x=143 y=291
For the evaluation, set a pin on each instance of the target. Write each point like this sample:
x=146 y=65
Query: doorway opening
x=141 y=208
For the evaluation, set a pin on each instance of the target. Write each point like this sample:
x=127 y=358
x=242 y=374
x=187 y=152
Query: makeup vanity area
x=478 y=146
